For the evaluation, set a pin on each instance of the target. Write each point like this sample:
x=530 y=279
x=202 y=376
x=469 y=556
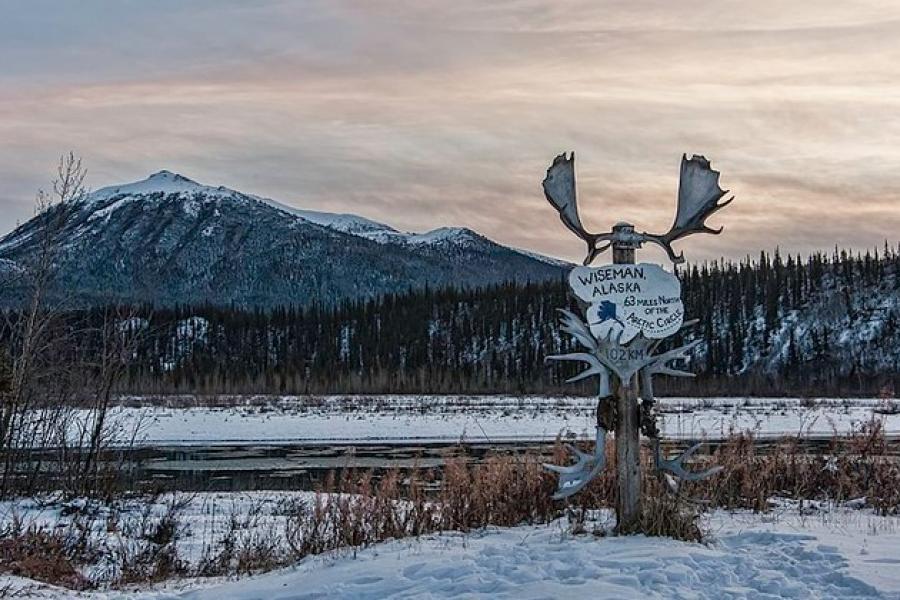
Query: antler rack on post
x=698 y=198
x=625 y=361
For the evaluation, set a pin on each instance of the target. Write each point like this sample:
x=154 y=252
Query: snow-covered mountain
x=168 y=239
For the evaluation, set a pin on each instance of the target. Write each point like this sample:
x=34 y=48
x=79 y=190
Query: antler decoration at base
x=573 y=478
x=675 y=466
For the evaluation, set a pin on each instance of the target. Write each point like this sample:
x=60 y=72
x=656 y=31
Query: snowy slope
x=841 y=329
x=344 y=222
x=839 y=553
x=544 y=562
x=169 y=184
x=385 y=234
x=168 y=239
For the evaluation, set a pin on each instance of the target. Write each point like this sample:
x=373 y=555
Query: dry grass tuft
x=48 y=555
x=855 y=466
x=149 y=551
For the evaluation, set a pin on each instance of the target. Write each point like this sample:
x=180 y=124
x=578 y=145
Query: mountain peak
x=164 y=181
x=166 y=175
x=165 y=185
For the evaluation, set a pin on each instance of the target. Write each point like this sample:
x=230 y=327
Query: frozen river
x=477 y=419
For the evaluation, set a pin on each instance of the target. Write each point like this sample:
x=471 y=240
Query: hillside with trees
x=825 y=325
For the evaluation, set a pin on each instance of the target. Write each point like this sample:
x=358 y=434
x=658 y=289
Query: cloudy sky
x=422 y=114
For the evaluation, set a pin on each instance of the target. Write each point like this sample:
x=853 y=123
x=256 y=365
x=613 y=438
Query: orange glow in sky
x=423 y=114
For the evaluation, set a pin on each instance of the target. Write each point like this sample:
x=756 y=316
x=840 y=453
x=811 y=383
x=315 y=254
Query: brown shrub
x=52 y=556
x=854 y=466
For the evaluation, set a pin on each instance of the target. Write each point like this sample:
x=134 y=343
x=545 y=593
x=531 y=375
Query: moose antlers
x=675 y=466
x=559 y=189
x=698 y=198
x=573 y=478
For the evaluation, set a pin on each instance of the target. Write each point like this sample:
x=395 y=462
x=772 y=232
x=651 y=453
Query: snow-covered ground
x=204 y=520
x=400 y=419
x=835 y=552
x=752 y=561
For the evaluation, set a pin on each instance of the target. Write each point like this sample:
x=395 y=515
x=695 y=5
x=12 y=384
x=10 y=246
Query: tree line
x=824 y=325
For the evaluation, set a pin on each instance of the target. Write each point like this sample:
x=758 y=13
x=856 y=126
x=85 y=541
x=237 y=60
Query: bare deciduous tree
x=62 y=363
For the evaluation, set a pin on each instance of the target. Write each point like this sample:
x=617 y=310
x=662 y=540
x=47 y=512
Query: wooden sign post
x=629 y=309
x=628 y=437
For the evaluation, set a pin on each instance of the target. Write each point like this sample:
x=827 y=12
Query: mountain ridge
x=169 y=239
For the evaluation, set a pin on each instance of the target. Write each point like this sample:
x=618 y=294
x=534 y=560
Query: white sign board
x=631 y=299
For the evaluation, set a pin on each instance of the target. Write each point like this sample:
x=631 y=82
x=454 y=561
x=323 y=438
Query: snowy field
x=825 y=552
x=401 y=419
